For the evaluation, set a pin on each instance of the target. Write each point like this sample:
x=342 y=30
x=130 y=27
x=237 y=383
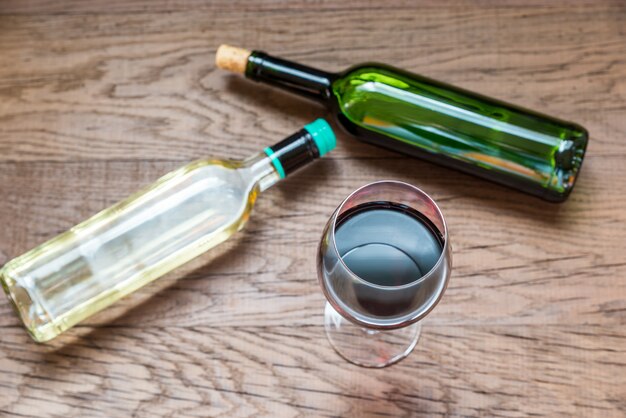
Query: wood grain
x=51 y=7
x=98 y=99
x=243 y=371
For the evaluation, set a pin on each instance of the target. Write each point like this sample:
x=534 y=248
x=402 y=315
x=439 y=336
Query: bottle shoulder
x=253 y=174
x=213 y=163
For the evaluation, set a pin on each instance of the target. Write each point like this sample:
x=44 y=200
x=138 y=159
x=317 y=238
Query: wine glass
x=383 y=264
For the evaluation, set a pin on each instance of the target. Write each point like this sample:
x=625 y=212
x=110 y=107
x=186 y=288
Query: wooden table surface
x=99 y=98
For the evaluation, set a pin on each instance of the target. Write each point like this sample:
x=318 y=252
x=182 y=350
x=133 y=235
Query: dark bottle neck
x=296 y=78
x=293 y=152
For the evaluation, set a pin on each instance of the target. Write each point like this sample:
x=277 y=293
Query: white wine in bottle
x=182 y=215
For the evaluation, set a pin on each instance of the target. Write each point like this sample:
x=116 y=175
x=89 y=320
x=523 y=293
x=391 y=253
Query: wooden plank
x=495 y=371
x=145 y=87
x=51 y=7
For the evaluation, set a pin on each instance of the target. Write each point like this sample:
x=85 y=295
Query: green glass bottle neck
x=297 y=78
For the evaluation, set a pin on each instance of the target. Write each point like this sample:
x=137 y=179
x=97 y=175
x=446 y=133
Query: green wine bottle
x=415 y=115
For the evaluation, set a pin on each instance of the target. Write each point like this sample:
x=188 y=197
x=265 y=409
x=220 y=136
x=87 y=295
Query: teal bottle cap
x=323 y=135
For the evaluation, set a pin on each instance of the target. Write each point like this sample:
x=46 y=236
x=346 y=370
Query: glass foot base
x=365 y=347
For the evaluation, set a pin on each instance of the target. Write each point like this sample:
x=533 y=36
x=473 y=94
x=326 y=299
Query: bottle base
x=22 y=305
